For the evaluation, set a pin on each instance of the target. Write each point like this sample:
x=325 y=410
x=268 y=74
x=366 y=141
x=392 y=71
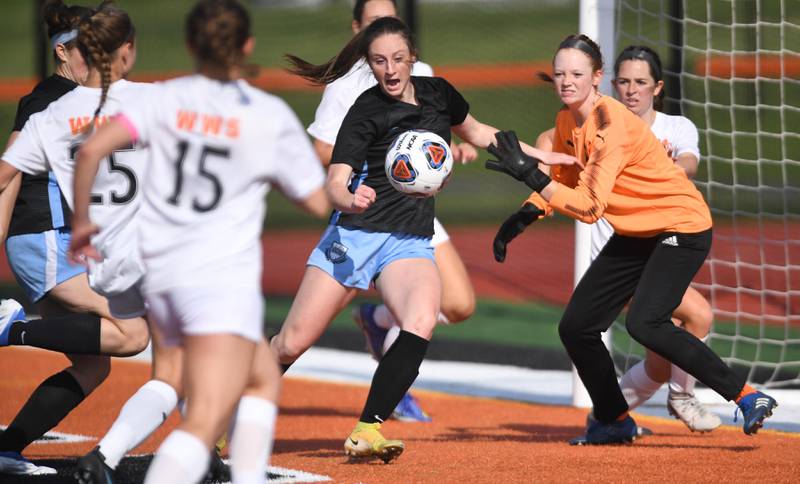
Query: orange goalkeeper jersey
x=628 y=177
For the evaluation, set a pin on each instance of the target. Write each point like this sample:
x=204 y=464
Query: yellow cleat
x=221 y=443
x=366 y=441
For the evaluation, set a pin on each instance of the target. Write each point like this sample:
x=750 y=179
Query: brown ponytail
x=356 y=49
x=59 y=19
x=216 y=31
x=100 y=34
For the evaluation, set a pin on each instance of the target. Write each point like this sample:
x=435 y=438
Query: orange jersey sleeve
x=628 y=177
x=567 y=175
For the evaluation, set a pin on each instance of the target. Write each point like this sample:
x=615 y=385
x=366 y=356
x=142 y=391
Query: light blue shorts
x=39 y=261
x=355 y=257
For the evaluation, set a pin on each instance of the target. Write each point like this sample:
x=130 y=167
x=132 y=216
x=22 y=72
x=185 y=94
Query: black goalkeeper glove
x=513 y=161
x=513 y=226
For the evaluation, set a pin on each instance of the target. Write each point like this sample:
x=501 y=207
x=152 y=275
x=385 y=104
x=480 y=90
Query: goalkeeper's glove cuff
x=536 y=179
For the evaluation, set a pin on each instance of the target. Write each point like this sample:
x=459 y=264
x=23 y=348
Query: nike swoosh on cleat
x=354 y=442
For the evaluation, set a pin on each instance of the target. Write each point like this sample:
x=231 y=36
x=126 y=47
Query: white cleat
x=688 y=409
x=14 y=463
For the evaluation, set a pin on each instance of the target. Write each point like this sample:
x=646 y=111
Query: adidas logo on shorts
x=671 y=240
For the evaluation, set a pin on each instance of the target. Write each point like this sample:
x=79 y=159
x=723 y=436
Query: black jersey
x=370 y=127
x=40 y=205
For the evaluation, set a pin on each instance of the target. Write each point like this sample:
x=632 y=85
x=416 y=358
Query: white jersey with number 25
x=49 y=141
x=215 y=149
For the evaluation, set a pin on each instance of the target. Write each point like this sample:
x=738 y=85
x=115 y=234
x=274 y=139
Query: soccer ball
x=419 y=163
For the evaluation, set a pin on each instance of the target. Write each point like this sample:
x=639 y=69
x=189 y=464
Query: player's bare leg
x=319 y=299
x=696 y=317
x=411 y=288
x=216 y=372
x=381 y=329
x=458 y=295
x=118 y=337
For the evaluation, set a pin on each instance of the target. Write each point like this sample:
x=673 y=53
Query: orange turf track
x=470 y=440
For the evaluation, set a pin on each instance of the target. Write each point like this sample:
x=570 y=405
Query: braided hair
x=100 y=34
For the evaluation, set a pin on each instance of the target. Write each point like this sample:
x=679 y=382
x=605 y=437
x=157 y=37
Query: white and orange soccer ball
x=419 y=163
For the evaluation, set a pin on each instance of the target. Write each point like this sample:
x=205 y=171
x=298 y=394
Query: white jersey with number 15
x=215 y=149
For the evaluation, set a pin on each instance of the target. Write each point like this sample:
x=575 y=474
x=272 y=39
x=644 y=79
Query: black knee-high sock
x=396 y=372
x=77 y=333
x=46 y=407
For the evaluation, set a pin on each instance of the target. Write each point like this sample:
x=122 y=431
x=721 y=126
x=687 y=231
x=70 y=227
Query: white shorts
x=120 y=269
x=204 y=310
x=439 y=233
x=601 y=232
x=127 y=304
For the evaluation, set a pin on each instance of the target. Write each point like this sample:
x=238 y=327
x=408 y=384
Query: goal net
x=733 y=68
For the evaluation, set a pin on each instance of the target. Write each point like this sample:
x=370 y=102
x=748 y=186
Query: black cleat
x=92 y=469
x=218 y=471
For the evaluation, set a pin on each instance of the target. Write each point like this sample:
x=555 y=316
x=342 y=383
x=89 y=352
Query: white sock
x=182 y=457
x=442 y=319
x=637 y=386
x=391 y=337
x=383 y=317
x=144 y=412
x=251 y=439
x=680 y=381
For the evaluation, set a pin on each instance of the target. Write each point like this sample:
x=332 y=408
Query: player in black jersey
x=377 y=234
x=74 y=316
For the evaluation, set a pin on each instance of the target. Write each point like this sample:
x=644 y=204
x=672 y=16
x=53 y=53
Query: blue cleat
x=618 y=432
x=408 y=410
x=15 y=464
x=640 y=431
x=755 y=407
x=10 y=312
x=374 y=334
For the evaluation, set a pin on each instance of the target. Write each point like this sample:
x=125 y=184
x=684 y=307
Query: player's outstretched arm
x=512 y=161
x=482 y=135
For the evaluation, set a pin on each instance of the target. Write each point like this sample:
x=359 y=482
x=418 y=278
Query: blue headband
x=63 y=37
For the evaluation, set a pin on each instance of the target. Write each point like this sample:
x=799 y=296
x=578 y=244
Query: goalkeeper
x=662 y=234
x=639 y=84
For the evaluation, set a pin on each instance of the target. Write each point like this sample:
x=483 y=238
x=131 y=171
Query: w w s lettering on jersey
x=215 y=149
